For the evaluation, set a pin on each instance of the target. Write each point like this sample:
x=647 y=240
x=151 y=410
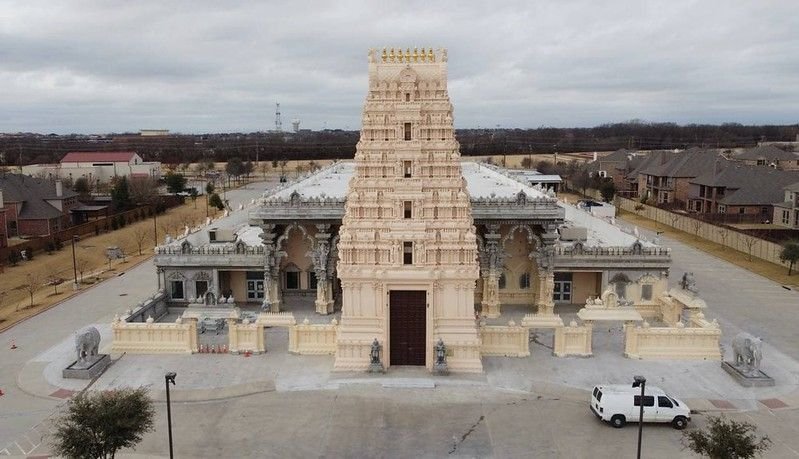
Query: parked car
x=621 y=403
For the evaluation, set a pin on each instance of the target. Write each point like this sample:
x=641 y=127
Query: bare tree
x=53 y=277
x=696 y=225
x=674 y=219
x=167 y=225
x=264 y=168
x=122 y=244
x=141 y=233
x=749 y=241
x=82 y=264
x=32 y=284
x=724 y=233
x=142 y=190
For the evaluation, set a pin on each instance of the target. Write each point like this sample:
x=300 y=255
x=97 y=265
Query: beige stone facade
x=407 y=224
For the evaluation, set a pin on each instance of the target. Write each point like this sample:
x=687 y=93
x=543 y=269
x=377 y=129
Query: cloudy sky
x=220 y=66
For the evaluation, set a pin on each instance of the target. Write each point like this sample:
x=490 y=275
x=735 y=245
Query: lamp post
x=75 y=285
x=169 y=378
x=640 y=381
x=155 y=227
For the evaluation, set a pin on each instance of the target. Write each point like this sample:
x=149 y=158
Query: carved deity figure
x=688 y=282
x=374 y=354
x=441 y=352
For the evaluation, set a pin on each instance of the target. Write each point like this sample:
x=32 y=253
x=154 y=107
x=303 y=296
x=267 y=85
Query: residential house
x=669 y=182
x=769 y=155
x=786 y=213
x=35 y=207
x=735 y=188
x=615 y=166
x=97 y=167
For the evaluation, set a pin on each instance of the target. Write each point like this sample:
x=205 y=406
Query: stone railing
x=209 y=250
x=566 y=251
x=507 y=341
x=353 y=354
x=276 y=319
x=154 y=338
x=313 y=339
x=680 y=342
x=573 y=340
x=246 y=337
x=155 y=307
x=462 y=356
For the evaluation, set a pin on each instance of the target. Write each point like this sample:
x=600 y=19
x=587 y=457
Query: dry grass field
x=37 y=284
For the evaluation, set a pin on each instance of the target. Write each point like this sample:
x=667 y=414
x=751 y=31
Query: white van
x=620 y=404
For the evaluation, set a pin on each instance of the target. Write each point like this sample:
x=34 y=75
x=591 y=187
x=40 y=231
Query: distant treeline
x=20 y=149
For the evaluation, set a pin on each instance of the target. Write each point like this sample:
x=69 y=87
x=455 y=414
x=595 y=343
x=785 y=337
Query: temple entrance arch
x=407 y=327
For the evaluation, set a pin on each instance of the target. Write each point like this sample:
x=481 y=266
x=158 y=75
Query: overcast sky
x=220 y=66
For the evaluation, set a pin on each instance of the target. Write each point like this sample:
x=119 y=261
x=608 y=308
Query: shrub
x=13 y=258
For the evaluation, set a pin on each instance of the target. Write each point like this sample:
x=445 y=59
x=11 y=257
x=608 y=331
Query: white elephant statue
x=87 y=343
x=747 y=352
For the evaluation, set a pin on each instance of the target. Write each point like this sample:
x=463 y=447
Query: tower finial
x=384 y=55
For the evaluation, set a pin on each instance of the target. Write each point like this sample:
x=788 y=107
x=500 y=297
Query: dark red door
x=407 y=314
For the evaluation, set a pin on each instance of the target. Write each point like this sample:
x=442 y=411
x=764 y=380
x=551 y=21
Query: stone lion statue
x=87 y=342
x=747 y=352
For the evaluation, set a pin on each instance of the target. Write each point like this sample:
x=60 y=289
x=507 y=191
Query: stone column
x=546 y=288
x=158 y=273
x=271 y=301
x=319 y=255
x=490 y=302
x=214 y=287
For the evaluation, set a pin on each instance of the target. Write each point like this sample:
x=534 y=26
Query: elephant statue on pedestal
x=747 y=353
x=87 y=343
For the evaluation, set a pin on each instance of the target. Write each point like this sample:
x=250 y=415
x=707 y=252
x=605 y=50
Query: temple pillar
x=490 y=301
x=271 y=302
x=158 y=273
x=546 y=288
x=324 y=282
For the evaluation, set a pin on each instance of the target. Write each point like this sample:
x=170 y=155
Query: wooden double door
x=407 y=323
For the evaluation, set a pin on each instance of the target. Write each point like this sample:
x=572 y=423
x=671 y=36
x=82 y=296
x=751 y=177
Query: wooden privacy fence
x=727 y=237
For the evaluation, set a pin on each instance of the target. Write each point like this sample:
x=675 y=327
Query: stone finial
x=573 y=324
x=680 y=325
x=179 y=320
x=150 y=319
x=334 y=321
x=246 y=321
x=511 y=323
x=116 y=318
x=646 y=324
x=306 y=321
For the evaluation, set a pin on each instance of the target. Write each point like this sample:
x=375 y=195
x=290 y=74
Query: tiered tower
x=407 y=249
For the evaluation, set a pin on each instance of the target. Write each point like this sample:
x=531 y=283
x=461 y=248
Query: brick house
x=786 y=213
x=35 y=207
x=735 y=188
x=768 y=155
x=669 y=182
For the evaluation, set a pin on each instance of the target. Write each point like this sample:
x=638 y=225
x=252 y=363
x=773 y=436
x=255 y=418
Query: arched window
x=620 y=281
x=524 y=281
x=502 y=282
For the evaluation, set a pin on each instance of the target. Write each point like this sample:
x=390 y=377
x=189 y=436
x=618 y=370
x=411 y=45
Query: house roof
x=688 y=163
x=767 y=152
x=749 y=185
x=98 y=156
x=651 y=159
x=617 y=159
x=793 y=187
x=33 y=193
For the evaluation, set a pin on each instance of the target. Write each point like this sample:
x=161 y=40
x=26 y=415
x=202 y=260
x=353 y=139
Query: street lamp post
x=169 y=378
x=640 y=381
x=75 y=285
x=155 y=227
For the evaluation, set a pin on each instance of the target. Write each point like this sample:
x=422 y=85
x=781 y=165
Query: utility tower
x=278 y=123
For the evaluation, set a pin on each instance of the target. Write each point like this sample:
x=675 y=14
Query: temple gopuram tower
x=407 y=249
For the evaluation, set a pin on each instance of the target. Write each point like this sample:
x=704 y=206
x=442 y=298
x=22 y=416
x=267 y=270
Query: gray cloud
x=202 y=66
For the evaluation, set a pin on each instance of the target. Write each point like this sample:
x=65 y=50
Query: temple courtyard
x=279 y=404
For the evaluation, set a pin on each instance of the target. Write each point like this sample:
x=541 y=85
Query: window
x=761 y=162
x=722 y=209
x=649 y=400
x=407 y=168
x=621 y=289
x=255 y=285
x=407 y=131
x=292 y=280
x=764 y=211
x=176 y=287
x=674 y=401
x=562 y=290
x=524 y=281
x=502 y=281
x=407 y=97
x=407 y=209
x=200 y=287
x=664 y=402
x=312 y=280
x=407 y=253
x=786 y=217
x=741 y=210
x=646 y=292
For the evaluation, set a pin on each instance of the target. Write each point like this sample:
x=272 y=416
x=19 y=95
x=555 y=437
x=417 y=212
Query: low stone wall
x=276 y=319
x=313 y=339
x=246 y=337
x=573 y=340
x=463 y=356
x=154 y=338
x=155 y=307
x=507 y=341
x=679 y=343
x=353 y=354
